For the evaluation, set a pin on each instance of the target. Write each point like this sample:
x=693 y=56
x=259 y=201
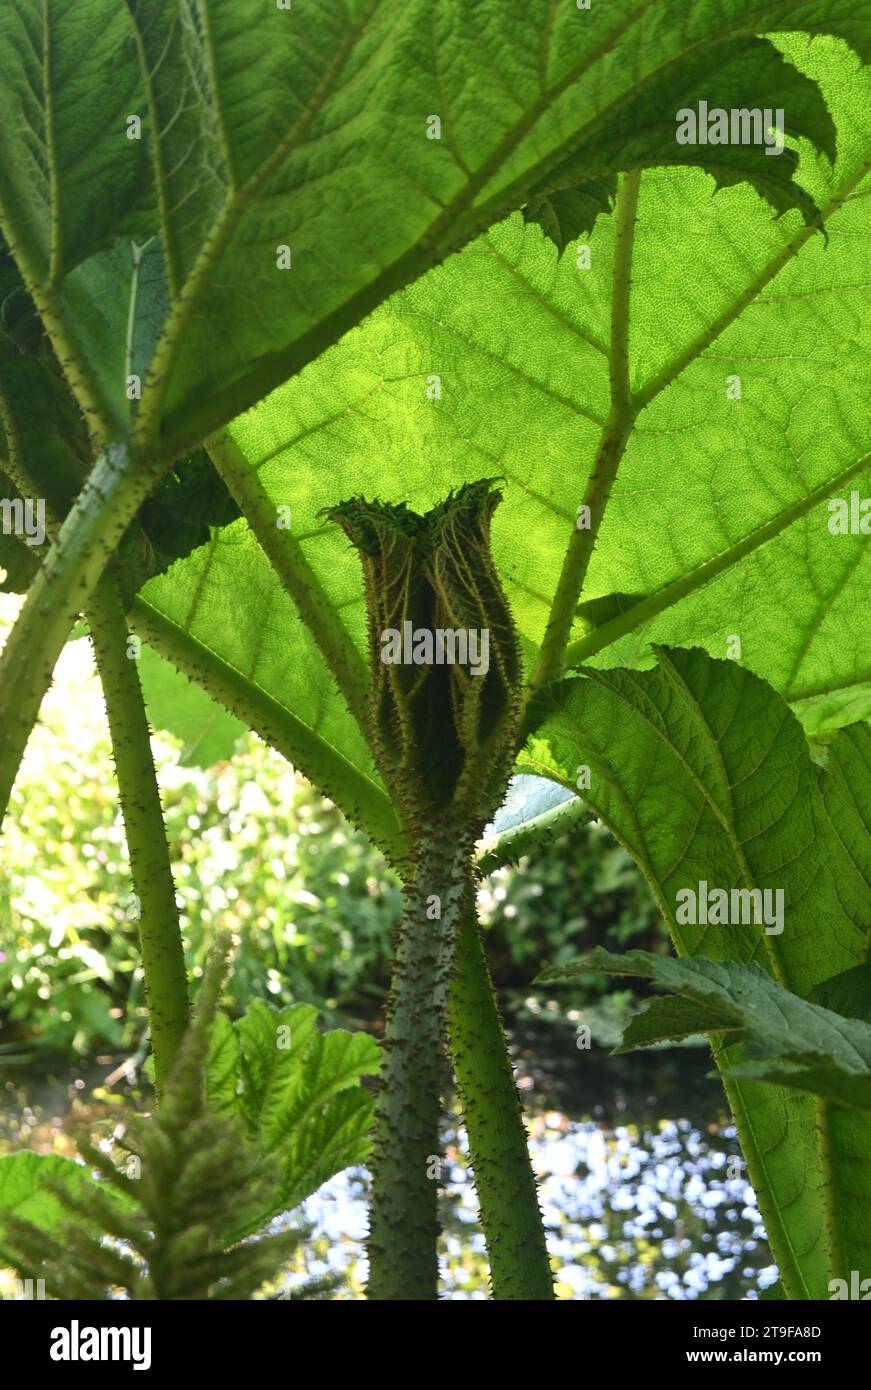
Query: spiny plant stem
x=297 y=578
x=365 y=803
x=62 y=588
x=446 y=762
x=403 y=1232
x=504 y=1181
x=159 y=931
x=440 y=972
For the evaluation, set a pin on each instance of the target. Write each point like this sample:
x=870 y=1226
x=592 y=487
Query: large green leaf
x=365 y=81
x=68 y=176
x=338 y=165
x=499 y=363
x=784 y=1038
x=298 y=1091
x=70 y=179
x=704 y=775
x=234 y=181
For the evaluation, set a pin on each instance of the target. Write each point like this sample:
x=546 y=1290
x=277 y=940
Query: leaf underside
x=704 y=776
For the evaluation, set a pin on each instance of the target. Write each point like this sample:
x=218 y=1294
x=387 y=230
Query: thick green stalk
x=445 y=754
x=440 y=976
x=361 y=799
x=504 y=1181
x=299 y=581
x=159 y=931
x=60 y=591
x=403 y=1228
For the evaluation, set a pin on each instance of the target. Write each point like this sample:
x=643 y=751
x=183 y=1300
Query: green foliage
x=701 y=771
x=666 y=472
x=197 y=1179
x=784 y=1038
x=44 y=446
x=296 y=1090
x=720 y=520
x=30 y=1185
x=563 y=318
x=314 y=920
x=68 y=953
x=704 y=775
x=232 y=178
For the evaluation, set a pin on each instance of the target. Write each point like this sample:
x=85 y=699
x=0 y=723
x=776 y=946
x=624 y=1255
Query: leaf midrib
x=227 y=220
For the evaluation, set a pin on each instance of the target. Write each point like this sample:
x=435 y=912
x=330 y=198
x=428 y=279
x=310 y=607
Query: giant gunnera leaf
x=757 y=856
x=391 y=134
x=190 y=246
x=745 y=339
x=784 y=1038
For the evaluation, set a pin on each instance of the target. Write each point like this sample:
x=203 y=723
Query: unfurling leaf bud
x=445 y=659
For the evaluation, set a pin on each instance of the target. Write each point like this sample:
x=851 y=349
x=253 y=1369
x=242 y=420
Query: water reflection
x=651 y=1207
x=640 y=1178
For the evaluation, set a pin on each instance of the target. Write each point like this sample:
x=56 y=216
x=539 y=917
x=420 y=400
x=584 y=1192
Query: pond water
x=639 y=1170
x=640 y=1178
